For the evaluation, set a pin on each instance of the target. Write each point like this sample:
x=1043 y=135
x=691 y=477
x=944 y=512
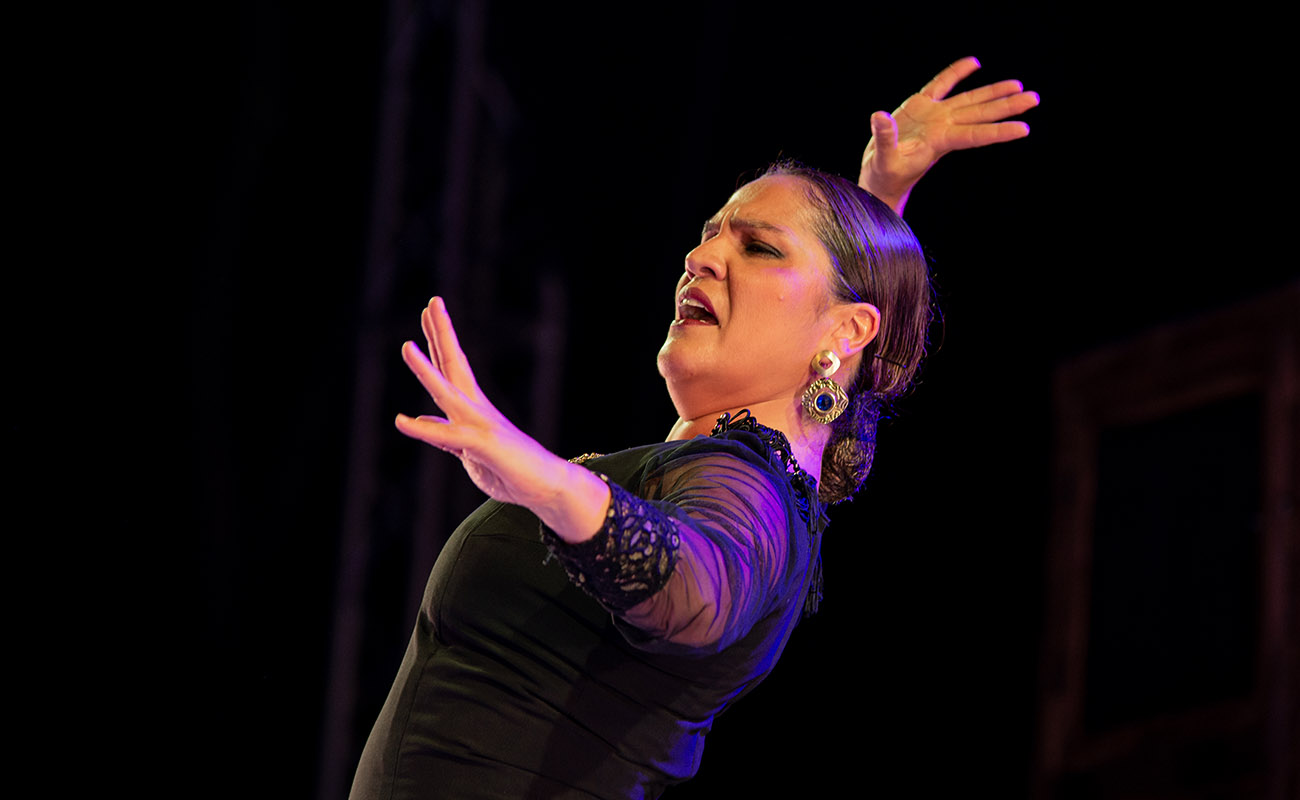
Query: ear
x=858 y=326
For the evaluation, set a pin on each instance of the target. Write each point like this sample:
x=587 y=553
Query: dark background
x=1144 y=195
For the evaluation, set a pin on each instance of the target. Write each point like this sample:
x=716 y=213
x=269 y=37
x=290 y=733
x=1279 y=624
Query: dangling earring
x=824 y=400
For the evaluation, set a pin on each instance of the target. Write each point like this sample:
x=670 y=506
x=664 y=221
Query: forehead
x=777 y=208
x=779 y=200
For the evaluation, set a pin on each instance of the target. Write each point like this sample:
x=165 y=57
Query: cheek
x=803 y=305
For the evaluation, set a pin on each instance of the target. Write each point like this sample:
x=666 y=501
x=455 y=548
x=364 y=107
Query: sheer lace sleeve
x=706 y=554
x=629 y=559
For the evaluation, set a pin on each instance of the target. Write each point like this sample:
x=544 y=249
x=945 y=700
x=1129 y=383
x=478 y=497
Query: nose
x=707 y=260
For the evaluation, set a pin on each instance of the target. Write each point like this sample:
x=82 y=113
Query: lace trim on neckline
x=777 y=441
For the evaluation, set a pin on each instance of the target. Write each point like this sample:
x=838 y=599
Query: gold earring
x=824 y=400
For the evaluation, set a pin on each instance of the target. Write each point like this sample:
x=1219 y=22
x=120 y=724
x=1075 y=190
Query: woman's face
x=751 y=306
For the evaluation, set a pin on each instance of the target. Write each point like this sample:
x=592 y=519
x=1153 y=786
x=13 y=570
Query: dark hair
x=877 y=260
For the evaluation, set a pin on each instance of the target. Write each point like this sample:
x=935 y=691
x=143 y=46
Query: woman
x=683 y=566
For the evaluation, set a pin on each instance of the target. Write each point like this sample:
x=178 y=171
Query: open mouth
x=692 y=310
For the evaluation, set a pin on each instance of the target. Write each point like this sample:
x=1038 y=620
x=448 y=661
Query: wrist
x=576 y=511
x=897 y=201
x=891 y=193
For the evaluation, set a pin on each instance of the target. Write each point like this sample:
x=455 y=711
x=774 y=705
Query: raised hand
x=503 y=461
x=929 y=124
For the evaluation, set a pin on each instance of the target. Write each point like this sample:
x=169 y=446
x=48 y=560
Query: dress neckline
x=776 y=440
x=804 y=484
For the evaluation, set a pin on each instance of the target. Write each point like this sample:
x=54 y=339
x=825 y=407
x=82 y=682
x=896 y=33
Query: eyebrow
x=749 y=224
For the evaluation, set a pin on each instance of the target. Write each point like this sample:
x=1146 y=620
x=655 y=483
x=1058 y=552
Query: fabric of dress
x=516 y=683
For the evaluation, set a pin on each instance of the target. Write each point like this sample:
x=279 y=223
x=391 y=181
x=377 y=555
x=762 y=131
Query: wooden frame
x=1253 y=348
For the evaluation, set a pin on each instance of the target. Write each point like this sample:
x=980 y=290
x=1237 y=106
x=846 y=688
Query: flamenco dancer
x=581 y=630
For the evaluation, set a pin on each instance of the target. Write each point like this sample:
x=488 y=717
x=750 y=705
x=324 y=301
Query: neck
x=807 y=438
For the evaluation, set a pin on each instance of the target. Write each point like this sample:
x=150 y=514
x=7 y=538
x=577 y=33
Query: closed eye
x=752 y=245
x=756 y=247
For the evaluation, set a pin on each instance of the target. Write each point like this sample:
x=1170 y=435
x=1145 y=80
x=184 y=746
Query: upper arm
x=733 y=526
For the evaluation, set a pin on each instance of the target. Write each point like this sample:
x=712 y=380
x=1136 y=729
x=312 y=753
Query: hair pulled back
x=876 y=259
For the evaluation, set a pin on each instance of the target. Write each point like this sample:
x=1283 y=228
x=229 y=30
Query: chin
x=674 y=361
x=676 y=374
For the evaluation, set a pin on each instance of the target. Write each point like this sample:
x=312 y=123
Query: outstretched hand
x=929 y=124
x=503 y=461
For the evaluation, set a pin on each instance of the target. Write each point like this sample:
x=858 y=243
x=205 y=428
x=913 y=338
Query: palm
x=930 y=124
x=502 y=460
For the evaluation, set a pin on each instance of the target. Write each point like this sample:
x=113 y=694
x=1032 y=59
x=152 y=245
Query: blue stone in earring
x=824 y=400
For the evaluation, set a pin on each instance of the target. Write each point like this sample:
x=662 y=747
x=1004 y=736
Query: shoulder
x=738 y=445
x=732 y=460
x=740 y=453
x=744 y=451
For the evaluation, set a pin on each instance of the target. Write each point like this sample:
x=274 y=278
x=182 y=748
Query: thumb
x=885 y=131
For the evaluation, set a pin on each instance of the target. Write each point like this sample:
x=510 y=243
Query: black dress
x=517 y=683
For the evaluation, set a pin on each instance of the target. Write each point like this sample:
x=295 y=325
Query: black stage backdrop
x=597 y=142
